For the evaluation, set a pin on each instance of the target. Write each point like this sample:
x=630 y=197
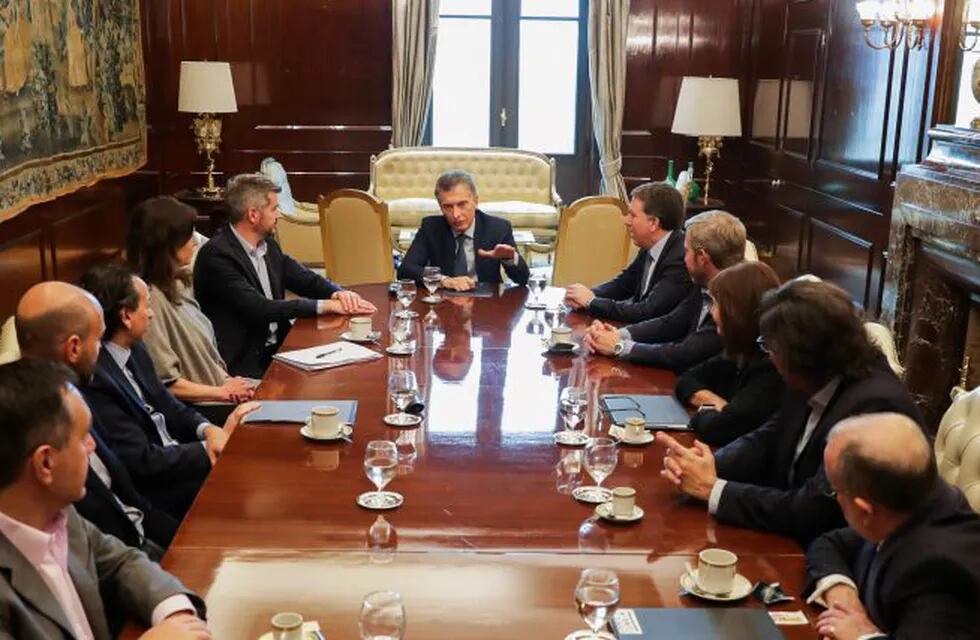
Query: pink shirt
x=48 y=551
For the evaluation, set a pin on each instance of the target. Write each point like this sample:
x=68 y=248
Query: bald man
x=909 y=565
x=63 y=323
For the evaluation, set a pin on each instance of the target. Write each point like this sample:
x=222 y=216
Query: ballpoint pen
x=327 y=353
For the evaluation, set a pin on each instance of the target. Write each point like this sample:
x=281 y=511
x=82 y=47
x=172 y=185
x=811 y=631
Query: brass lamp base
x=709 y=147
x=207 y=135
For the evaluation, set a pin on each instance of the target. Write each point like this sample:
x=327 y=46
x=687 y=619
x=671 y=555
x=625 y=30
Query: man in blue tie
x=466 y=244
x=908 y=565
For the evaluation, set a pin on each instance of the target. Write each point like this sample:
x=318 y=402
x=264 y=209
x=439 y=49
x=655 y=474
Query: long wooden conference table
x=489 y=542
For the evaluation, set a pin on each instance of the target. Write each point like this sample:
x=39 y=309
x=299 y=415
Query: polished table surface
x=488 y=537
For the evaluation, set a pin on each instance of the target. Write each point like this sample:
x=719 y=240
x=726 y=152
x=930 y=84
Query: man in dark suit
x=466 y=244
x=60 y=577
x=908 y=566
x=241 y=277
x=656 y=281
x=166 y=446
x=686 y=335
x=773 y=478
x=62 y=323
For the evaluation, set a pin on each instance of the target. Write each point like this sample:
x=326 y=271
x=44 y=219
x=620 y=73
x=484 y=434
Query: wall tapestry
x=72 y=97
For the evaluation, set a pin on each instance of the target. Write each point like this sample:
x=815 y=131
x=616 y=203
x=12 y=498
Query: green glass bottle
x=694 y=191
x=670 y=179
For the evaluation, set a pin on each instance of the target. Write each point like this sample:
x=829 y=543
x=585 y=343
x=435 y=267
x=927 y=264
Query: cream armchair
x=513 y=184
x=958 y=445
x=9 y=349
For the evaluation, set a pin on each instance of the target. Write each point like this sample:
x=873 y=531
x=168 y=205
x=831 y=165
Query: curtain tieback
x=611 y=167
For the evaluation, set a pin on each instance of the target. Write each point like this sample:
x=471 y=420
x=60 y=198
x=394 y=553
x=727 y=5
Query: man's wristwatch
x=618 y=349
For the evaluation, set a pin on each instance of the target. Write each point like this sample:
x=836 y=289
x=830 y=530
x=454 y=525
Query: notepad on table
x=327 y=356
x=659 y=412
x=695 y=624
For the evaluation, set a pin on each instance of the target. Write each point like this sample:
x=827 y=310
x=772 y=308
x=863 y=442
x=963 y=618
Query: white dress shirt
x=257 y=256
x=135 y=515
x=818 y=404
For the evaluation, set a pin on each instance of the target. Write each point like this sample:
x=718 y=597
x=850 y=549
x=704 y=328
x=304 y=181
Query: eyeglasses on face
x=761 y=341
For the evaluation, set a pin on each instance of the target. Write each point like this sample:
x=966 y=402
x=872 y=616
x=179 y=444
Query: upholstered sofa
x=513 y=184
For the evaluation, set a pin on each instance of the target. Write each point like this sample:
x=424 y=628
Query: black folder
x=698 y=624
x=659 y=412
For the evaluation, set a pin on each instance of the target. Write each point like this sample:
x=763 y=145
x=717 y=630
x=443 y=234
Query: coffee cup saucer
x=560 y=348
x=619 y=433
x=309 y=632
x=402 y=420
x=401 y=350
x=605 y=511
x=568 y=438
x=380 y=501
x=374 y=336
x=344 y=434
x=592 y=495
x=741 y=587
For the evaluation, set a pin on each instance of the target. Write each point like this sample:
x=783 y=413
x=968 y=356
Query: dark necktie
x=460 y=267
x=640 y=288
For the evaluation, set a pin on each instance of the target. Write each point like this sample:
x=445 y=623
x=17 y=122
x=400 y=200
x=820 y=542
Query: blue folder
x=700 y=624
x=298 y=411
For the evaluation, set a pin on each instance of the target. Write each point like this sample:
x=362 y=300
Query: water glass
x=403 y=388
x=536 y=285
x=406 y=295
x=402 y=330
x=573 y=403
x=380 y=463
x=600 y=459
x=431 y=278
x=597 y=597
x=382 y=616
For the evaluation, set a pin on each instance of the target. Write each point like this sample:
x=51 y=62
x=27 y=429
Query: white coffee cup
x=360 y=327
x=325 y=422
x=716 y=571
x=561 y=335
x=634 y=429
x=623 y=501
x=287 y=626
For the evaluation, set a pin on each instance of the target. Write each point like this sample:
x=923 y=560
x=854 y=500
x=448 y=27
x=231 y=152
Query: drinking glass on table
x=403 y=388
x=597 y=597
x=573 y=403
x=382 y=616
x=380 y=466
x=600 y=461
x=536 y=285
x=402 y=332
x=406 y=294
x=431 y=278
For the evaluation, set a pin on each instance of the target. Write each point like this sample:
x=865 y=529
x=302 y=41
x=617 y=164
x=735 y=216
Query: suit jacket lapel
x=26 y=581
x=479 y=242
x=235 y=250
x=272 y=267
x=117 y=378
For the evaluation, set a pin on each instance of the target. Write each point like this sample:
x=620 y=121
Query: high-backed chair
x=592 y=244
x=355 y=231
x=958 y=445
x=751 y=253
x=9 y=349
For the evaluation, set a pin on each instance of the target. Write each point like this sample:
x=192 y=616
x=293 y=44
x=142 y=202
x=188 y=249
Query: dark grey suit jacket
x=621 y=298
x=99 y=565
x=924 y=581
x=228 y=289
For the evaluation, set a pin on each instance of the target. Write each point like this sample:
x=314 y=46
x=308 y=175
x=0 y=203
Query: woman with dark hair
x=737 y=391
x=180 y=339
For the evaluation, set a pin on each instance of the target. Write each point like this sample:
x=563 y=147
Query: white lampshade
x=708 y=107
x=206 y=87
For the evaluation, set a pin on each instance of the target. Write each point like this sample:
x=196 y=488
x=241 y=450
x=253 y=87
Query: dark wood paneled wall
x=828 y=121
x=59 y=240
x=312 y=78
x=670 y=39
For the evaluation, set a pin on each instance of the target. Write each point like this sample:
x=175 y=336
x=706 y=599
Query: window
x=509 y=74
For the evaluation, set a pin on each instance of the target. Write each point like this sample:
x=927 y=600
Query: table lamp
x=709 y=109
x=206 y=89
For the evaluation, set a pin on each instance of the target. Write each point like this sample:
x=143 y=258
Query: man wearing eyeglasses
x=773 y=478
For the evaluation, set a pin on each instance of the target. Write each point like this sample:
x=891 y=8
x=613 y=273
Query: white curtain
x=608 y=20
x=414 y=27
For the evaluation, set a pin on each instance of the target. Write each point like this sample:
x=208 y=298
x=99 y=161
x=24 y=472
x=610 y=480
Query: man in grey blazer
x=55 y=566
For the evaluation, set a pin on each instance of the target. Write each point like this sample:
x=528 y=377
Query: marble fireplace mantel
x=932 y=281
